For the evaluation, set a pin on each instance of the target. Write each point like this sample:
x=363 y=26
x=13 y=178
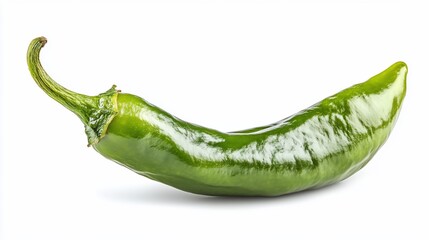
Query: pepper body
x=323 y=144
x=318 y=146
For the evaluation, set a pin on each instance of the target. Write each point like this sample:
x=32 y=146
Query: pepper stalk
x=96 y=112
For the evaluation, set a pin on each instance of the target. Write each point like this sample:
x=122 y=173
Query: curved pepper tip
x=43 y=40
x=401 y=65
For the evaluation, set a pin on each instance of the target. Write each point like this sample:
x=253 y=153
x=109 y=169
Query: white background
x=228 y=65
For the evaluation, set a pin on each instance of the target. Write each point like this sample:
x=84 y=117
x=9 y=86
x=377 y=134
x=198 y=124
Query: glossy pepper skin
x=318 y=146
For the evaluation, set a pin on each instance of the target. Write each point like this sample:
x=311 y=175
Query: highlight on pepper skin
x=321 y=145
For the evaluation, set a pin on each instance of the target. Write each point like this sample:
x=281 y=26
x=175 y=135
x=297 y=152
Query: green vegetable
x=320 y=145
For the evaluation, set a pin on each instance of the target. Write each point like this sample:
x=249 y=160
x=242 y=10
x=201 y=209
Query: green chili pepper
x=320 y=145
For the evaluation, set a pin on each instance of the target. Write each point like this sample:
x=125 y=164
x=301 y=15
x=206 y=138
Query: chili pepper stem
x=96 y=112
